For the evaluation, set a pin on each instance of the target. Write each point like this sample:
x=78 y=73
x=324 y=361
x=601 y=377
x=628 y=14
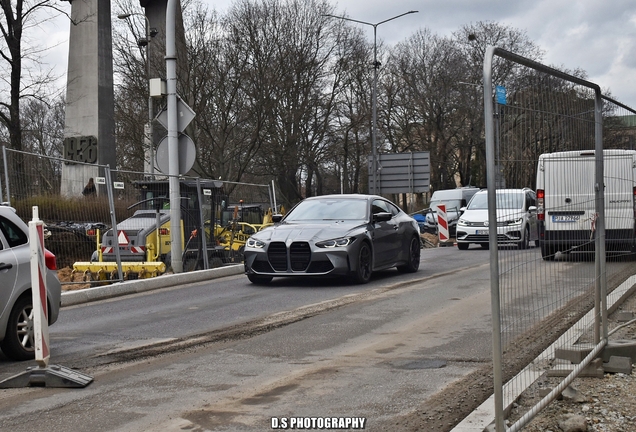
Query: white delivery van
x=454 y=199
x=566 y=201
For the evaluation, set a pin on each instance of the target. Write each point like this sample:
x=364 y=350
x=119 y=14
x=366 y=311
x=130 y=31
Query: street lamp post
x=149 y=130
x=376 y=65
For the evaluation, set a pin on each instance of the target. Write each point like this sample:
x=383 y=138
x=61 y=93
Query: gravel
x=605 y=404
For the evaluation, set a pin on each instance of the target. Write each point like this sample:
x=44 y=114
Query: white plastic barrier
x=38 y=288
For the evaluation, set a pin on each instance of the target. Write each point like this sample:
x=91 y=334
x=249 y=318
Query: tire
x=547 y=253
x=413 y=263
x=216 y=262
x=462 y=246
x=190 y=265
x=362 y=273
x=19 y=341
x=259 y=280
x=485 y=245
x=525 y=240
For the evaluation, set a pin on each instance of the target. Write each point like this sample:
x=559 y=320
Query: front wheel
x=413 y=263
x=362 y=273
x=462 y=246
x=19 y=341
x=525 y=240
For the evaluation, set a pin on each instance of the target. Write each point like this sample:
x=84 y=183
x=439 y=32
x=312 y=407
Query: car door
x=385 y=235
x=9 y=271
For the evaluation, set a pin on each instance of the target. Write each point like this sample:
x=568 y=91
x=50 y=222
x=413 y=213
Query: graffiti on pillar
x=80 y=149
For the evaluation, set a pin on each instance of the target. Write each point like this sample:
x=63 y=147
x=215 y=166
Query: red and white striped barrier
x=442 y=224
x=38 y=289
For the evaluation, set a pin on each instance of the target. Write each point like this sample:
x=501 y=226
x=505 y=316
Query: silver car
x=335 y=235
x=516 y=219
x=16 y=306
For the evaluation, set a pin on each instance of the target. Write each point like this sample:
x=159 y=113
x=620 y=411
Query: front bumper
x=299 y=259
x=505 y=234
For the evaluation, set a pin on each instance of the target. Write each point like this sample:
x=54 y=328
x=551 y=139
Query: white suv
x=16 y=306
x=516 y=219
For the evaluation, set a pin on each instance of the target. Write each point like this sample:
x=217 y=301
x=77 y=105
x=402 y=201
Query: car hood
x=309 y=232
x=482 y=215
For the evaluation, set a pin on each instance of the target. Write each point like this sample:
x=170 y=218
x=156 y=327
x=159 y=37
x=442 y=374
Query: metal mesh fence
x=81 y=203
x=558 y=247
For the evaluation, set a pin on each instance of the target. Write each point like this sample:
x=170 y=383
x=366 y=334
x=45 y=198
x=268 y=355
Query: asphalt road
x=228 y=355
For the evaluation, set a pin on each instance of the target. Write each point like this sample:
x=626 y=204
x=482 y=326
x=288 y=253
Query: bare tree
x=23 y=76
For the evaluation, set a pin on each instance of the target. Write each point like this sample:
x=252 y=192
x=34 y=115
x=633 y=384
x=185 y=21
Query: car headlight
x=514 y=221
x=462 y=222
x=255 y=243
x=334 y=243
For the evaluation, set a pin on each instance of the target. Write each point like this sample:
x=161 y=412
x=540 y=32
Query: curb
x=70 y=298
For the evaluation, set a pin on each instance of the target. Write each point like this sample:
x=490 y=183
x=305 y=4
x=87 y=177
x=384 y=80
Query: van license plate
x=565 y=218
x=481 y=232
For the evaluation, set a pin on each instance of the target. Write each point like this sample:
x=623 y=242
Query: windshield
x=329 y=209
x=450 y=204
x=505 y=200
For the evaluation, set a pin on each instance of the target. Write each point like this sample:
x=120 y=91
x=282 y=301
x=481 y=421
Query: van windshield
x=505 y=200
x=451 y=205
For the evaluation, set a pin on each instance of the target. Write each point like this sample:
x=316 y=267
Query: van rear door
x=569 y=193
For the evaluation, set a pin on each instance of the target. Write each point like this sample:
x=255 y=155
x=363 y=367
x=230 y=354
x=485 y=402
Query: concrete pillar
x=89 y=133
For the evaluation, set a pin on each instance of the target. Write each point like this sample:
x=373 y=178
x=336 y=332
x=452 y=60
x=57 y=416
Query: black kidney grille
x=299 y=256
x=277 y=255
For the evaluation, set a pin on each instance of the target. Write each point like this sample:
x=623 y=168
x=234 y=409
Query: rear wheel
x=259 y=280
x=19 y=341
x=547 y=253
x=362 y=273
x=413 y=263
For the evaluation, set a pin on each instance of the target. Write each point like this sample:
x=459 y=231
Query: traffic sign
x=185 y=114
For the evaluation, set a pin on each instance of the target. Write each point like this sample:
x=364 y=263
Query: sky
x=596 y=36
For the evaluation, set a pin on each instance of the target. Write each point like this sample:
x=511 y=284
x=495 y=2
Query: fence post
x=113 y=220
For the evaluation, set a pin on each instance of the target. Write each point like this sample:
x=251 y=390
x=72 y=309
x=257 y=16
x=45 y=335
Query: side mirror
x=277 y=218
x=532 y=209
x=382 y=217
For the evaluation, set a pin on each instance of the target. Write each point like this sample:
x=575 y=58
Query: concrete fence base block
x=575 y=353
x=624 y=316
x=620 y=348
x=593 y=370
x=618 y=364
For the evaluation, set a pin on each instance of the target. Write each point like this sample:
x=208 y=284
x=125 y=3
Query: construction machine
x=143 y=241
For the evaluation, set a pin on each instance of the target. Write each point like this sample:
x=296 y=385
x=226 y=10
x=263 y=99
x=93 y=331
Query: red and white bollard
x=442 y=224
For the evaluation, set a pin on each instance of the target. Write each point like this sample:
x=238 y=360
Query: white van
x=565 y=201
x=454 y=199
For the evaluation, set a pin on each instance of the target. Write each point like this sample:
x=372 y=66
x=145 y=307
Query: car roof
x=483 y=191
x=346 y=196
